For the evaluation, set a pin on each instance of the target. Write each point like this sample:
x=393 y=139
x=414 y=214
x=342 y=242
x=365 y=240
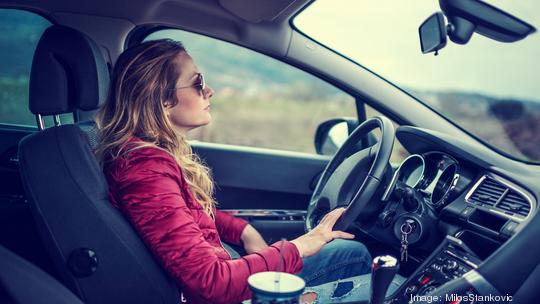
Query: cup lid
x=276 y=283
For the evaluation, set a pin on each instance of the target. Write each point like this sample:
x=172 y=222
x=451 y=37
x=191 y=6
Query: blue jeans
x=340 y=272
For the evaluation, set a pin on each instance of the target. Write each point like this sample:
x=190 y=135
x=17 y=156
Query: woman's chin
x=205 y=121
x=208 y=118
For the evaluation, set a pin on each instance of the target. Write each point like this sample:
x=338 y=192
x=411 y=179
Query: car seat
x=97 y=253
x=22 y=282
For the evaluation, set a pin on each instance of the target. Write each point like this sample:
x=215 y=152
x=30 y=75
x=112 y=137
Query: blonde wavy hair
x=142 y=88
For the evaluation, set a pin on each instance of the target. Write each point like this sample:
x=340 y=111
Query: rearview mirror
x=432 y=33
x=466 y=17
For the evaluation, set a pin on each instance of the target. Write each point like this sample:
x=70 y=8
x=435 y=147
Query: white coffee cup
x=275 y=287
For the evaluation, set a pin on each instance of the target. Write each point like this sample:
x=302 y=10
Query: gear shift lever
x=383 y=270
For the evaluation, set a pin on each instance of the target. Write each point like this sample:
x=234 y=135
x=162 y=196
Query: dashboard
x=450 y=187
x=464 y=200
x=462 y=193
x=458 y=178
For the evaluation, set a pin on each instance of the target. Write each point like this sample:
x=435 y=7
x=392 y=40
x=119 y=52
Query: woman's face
x=193 y=108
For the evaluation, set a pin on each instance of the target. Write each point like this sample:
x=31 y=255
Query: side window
x=398 y=153
x=260 y=101
x=21 y=31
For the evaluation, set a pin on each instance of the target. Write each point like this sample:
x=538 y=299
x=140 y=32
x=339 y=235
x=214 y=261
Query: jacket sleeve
x=229 y=227
x=149 y=194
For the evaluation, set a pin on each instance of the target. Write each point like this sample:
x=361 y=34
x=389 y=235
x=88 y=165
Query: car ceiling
x=143 y=11
x=258 y=24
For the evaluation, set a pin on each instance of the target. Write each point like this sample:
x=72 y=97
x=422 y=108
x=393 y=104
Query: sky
x=382 y=35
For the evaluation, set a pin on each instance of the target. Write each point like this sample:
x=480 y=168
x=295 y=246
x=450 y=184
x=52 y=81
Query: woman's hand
x=252 y=240
x=311 y=242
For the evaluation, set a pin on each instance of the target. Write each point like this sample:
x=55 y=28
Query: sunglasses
x=199 y=85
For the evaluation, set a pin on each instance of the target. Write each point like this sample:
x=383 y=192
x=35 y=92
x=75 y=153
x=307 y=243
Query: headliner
x=144 y=11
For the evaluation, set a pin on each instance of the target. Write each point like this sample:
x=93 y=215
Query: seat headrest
x=68 y=73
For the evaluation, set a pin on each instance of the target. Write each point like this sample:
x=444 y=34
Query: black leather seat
x=22 y=282
x=97 y=253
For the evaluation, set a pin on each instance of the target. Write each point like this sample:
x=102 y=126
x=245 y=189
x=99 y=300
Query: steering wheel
x=352 y=178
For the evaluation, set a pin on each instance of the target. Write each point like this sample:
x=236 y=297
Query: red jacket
x=149 y=188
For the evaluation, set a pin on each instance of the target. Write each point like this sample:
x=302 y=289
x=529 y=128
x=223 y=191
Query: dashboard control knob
x=449 y=266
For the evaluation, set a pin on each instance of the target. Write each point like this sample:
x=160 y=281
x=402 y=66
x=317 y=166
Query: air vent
x=488 y=192
x=495 y=195
x=515 y=203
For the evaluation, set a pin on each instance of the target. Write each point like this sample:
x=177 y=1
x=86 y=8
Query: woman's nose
x=209 y=92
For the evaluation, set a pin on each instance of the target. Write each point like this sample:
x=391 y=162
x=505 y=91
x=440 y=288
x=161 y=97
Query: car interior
x=471 y=210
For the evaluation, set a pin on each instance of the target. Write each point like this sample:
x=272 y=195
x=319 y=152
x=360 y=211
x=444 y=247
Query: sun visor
x=256 y=11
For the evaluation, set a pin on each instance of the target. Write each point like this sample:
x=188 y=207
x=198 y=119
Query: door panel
x=273 y=230
x=10 y=182
x=259 y=178
x=254 y=178
x=17 y=229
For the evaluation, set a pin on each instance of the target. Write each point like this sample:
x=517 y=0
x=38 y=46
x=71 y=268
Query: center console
x=452 y=259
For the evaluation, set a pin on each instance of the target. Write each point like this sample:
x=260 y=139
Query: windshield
x=490 y=89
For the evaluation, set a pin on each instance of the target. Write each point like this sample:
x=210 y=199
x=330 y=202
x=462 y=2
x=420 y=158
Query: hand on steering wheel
x=311 y=242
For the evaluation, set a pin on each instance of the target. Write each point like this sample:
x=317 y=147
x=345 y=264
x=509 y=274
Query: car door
x=260 y=144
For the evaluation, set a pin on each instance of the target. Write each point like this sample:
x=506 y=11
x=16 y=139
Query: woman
x=157 y=95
